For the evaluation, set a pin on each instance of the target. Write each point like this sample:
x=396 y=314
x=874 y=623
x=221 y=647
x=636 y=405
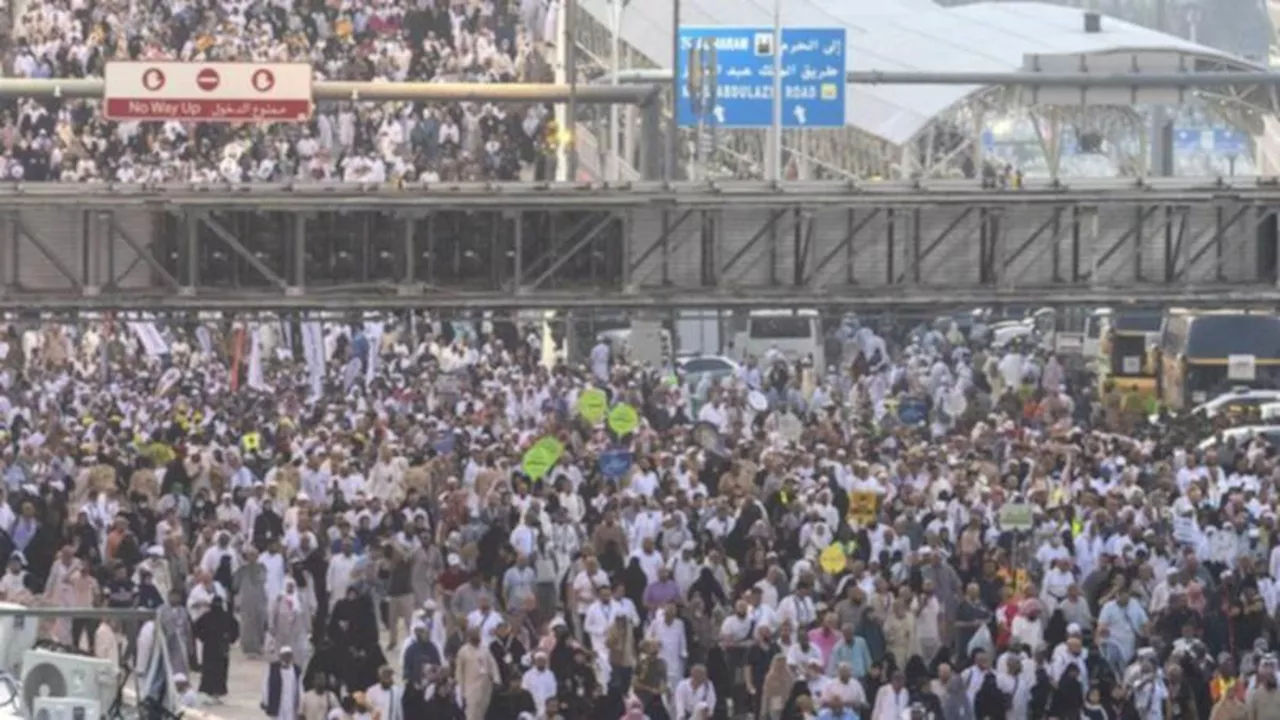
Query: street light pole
x=615 y=61
x=775 y=135
x=673 y=125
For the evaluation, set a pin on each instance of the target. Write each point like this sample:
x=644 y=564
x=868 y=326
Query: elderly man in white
x=692 y=692
x=540 y=682
x=844 y=691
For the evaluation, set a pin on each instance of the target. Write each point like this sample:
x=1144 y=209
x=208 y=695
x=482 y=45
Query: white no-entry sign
x=208 y=91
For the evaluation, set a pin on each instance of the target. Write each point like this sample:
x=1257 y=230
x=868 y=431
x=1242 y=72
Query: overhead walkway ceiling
x=912 y=35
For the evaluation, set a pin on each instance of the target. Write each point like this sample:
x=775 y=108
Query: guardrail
x=525 y=190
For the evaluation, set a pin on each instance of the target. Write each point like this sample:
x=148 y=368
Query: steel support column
x=299 y=251
x=408 y=239
x=191 y=227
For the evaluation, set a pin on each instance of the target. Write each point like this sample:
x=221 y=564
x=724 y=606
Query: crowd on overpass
x=368 y=40
x=447 y=519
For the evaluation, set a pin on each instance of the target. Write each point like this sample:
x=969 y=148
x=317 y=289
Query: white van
x=794 y=333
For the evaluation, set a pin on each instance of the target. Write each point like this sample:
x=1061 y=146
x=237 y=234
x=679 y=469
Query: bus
x=1125 y=359
x=1204 y=354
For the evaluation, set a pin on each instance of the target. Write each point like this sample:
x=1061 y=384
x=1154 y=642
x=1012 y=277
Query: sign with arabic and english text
x=740 y=93
x=208 y=91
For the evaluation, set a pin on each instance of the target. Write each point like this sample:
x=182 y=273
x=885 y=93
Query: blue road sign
x=732 y=85
x=1225 y=141
x=615 y=463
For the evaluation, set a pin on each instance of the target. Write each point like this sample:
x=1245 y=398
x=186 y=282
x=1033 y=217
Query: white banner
x=313 y=352
x=153 y=342
x=206 y=341
x=373 y=333
x=256 y=379
x=285 y=347
x=350 y=373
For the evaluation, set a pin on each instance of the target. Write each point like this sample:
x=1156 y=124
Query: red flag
x=237 y=353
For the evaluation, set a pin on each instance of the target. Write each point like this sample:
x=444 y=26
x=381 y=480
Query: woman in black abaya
x=217 y=630
x=353 y=630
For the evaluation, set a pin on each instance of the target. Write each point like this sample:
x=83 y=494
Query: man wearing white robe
x=386 y=699
x=274 y=562
x=596 y=622
x=201 y=596
x=668 y=631
x=290 y=688
x=540 y=682
x=892 y=700
x=433 y=616
x=694 y=692
x=213 y=556
x=485 y=619
x=338 y=577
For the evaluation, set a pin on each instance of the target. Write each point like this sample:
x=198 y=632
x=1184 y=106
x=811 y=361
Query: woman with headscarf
x=291 y=623
x=1068 y=696
x=217 y=630
x=353 y=630
x=250 y=587
x=776 y=689
x=708 y=589
x=635 y=582
x=955 y=701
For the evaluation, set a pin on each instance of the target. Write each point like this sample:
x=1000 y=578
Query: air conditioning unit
x=50 y=708
x=48 y=675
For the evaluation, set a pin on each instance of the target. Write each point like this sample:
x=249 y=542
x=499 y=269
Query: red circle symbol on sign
x=153 y=79
x=264 y=80
x=207 y=79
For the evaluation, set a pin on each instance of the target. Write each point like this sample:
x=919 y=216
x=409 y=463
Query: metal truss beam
x=1012 y=258
x=816 y=275
x=777 y=253
x=555 y=255
x=923 y=254
x=1149 y=80
x=661 y=240
x=142 y=254
x=234 y=243
x=564 y=256
x=1214 y=240
x=774 y=218
x=1184 y=80
x=21 y=231
x=382 y=92
x=851 y=298
x=269 y=197
x=1144 y=214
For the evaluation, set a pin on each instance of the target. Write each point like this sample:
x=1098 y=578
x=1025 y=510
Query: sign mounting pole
x=775 y=146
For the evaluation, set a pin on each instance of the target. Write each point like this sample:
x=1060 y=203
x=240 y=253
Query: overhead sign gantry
x=647 y=246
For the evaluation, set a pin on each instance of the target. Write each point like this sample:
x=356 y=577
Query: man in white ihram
x=282 y=691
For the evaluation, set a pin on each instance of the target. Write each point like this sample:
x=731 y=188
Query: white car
x=716 y=365
x=1242 y=435
x=1240 y=397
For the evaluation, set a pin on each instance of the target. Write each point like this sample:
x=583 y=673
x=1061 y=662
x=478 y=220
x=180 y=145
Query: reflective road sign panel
x=208 y=91
x=741 y=95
